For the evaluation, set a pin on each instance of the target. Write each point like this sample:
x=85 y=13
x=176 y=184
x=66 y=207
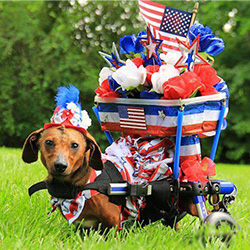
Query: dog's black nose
x=60 y=164
x=60 y=167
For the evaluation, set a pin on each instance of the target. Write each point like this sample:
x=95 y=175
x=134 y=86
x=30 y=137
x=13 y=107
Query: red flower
x=208 y=167
x=151 y=69
x=207 y=74
x=181 y=86
x=208 y=90
x=67 y=114
x=195 y=171
x=104 y=90
x=138 y=61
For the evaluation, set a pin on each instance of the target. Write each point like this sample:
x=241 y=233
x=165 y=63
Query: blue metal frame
x=178 y=143
x=199 y=201
x=218 y=131
x=107 y=133
x=226 y=187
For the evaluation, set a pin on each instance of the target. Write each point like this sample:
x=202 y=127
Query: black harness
x=110 y=174
x=158 y=193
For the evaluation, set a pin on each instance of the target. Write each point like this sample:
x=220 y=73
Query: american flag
x=132 y=117
x=166 y=23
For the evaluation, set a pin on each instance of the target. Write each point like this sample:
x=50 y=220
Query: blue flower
x=208 y=42
x=132 y=44
x=116 y=87
x=222 y=87
x=149 y=95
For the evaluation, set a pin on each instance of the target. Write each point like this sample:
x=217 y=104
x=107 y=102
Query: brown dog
x=68 y=156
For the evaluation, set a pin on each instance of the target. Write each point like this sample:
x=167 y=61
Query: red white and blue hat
x=68 y=111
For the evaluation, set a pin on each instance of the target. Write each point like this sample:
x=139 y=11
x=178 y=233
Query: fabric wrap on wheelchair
x=201 y=114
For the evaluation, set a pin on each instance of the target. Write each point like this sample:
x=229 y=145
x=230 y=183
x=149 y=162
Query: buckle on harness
x=140 y=190
x=129 y=189
x=118 y=188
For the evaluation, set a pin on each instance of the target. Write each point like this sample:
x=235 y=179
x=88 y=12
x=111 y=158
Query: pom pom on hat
x=68 y=111
x=66 y=95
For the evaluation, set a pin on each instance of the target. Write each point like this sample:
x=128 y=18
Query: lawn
x=26 y=225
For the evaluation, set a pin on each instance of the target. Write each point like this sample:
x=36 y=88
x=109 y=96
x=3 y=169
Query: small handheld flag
x=166 y=23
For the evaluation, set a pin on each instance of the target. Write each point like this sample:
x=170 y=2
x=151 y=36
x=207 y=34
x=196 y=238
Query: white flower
x=171 y=57
x=105 y=73
x=86 y=121
x=73 y=107
x=129 y=76
x=158 y=78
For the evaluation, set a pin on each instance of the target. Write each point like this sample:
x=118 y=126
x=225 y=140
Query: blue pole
x=218 y=131
x=199 y=202
x=107 y=133
x=178 y=143
x=226 y=187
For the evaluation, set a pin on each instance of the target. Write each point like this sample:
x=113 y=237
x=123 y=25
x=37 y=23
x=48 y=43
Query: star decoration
x=105 y=118
x=113 y=59
x=190 y=56
x=161 y=114
x=152 y=45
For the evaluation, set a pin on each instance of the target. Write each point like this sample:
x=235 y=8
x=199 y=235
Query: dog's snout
x=60 y=168
x=60 y=164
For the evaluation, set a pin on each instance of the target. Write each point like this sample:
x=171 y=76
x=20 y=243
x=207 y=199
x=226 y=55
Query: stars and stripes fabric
x=190 y=148
x=201 y=115
x=72 y=208
x=166 y=23
x=132 y=117
x=140 y=161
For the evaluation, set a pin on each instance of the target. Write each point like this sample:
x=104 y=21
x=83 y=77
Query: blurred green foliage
x=47 y=44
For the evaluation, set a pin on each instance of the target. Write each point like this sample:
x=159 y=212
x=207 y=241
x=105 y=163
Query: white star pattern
x=161 y=114
x=176 y=22
x=151 y=47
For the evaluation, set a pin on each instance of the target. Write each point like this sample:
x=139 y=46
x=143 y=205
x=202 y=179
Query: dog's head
x=64 y=151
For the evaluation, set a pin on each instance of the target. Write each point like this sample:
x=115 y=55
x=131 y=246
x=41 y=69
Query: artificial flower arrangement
x=148 y=74
x=178 y=74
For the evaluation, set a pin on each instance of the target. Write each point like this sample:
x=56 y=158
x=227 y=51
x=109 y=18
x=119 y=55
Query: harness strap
x=36 y=187
x=110 y=174
x=67 y=191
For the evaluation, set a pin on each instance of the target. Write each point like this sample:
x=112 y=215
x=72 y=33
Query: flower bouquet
x=142 y=94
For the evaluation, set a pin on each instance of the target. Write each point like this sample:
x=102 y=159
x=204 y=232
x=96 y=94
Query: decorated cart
x=175 y=94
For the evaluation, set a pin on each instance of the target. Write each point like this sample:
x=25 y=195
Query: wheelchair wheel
x=220 y=225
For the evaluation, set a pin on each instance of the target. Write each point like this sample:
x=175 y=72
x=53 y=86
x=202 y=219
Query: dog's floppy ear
x=30 y=148
x=95 y=156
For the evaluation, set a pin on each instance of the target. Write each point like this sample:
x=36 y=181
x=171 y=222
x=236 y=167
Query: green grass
x=24 y=223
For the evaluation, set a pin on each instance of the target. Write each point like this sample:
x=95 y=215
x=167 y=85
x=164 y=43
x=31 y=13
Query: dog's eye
x=49 y=143
x=74 y=145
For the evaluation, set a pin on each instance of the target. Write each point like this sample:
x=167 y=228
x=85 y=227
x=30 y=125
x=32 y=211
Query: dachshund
x=69 y=157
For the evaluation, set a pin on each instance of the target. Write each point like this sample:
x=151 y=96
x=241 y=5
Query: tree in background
x=47 y=44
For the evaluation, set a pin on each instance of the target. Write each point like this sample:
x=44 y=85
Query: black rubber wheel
x=220 y=225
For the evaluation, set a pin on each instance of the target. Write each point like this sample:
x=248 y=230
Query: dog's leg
x=106 y=213
x=186 y=204
x=110 y=213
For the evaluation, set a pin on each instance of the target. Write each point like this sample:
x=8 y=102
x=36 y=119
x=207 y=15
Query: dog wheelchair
x=218 y=193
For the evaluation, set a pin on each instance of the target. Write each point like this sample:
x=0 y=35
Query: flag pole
x=195 y=10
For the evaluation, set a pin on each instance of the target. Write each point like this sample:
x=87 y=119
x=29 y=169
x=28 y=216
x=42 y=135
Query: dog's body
x=68 y=156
